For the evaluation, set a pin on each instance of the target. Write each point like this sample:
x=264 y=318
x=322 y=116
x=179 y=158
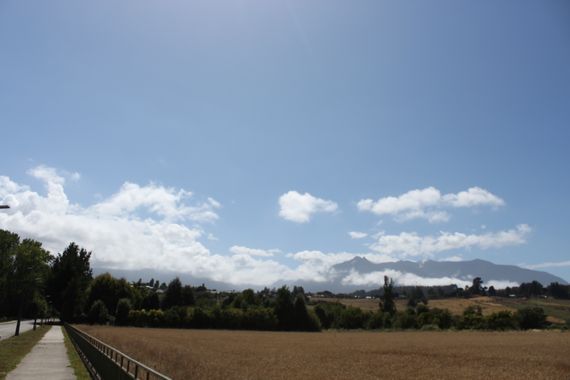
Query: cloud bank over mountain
x=164 y=228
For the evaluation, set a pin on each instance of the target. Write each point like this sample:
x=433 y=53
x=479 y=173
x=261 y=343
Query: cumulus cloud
x=166 y=202
x=137 y=227
x=428 y=203
x=240 y=250
x=357 y=235
x=132 y=229
x=411 y=244
x=299 y=208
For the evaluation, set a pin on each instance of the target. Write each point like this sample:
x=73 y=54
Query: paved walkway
x=47 y=361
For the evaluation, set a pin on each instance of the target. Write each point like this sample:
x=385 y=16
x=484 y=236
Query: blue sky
x=241 y=102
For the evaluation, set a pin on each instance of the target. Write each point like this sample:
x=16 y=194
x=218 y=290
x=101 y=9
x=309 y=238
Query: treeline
x=196 y=307
x=338 y=316
x=524 y=290
x=35 y=284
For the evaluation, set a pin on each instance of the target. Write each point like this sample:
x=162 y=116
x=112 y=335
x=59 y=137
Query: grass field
x=215 y=354
x=558 y=311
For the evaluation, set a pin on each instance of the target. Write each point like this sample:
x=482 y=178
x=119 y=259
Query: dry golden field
x=218 y=354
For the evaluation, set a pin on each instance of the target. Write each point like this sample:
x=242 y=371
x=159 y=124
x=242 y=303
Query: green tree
x=122 y=312
x=9 y=243
x=98 y=313
x=531 y=289
x=302 y=319
x=188 y=296
x=284 y=309
x=387 y=303
x=531 y=318
x=27 y=279
x=70 y=276
x=416 y=296
x=476 y=287
x=173 y=294
x=150 y=301
x=557 y=290
x=109 y=290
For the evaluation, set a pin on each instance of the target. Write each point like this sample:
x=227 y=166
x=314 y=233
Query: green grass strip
x=13 y=350
x=76 y=363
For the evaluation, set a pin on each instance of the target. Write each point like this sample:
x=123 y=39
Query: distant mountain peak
x=459 y=271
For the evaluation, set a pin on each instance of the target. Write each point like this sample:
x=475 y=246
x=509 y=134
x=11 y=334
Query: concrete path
x=7 y=329
x=47 y=361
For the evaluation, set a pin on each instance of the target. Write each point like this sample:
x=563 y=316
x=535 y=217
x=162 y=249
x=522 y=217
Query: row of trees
x=33 y=283
x=338 y=316
x=477 y=288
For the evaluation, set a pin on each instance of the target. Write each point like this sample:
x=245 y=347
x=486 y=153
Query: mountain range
x=360 y=273
x=460 y=270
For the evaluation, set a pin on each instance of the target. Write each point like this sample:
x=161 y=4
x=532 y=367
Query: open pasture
x=217 y=354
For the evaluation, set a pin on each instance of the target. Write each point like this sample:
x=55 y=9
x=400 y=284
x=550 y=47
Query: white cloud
x=240 y=250
x=113 y=228
x=548 y=265
x=399 y=278
x=411 y=244
x=166 y=202
x=162 y=228
x=410 y=279
x=138 y=227
x=501 y=284
x=453 y=258
x=357 y=235
x=427 y=203
x=318 y=266
x=299 y=208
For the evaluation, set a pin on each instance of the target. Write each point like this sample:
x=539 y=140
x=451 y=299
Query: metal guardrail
x=107 y=363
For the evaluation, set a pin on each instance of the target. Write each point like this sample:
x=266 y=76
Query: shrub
x=137 y=318
x=405 y=320
x=502 y=320
x=230 y=318
x=175 y=316
x=353 y=318
x=531 y=318
x=376 y=320
x=442 y=318
x=155 y=318
x=98 y=313
x=122 y=312
x=473 y=318
x=261 y=318
x=329 y=314
x=199 y=318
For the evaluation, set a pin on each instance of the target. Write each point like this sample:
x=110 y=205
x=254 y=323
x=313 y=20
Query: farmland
x=217 y=354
